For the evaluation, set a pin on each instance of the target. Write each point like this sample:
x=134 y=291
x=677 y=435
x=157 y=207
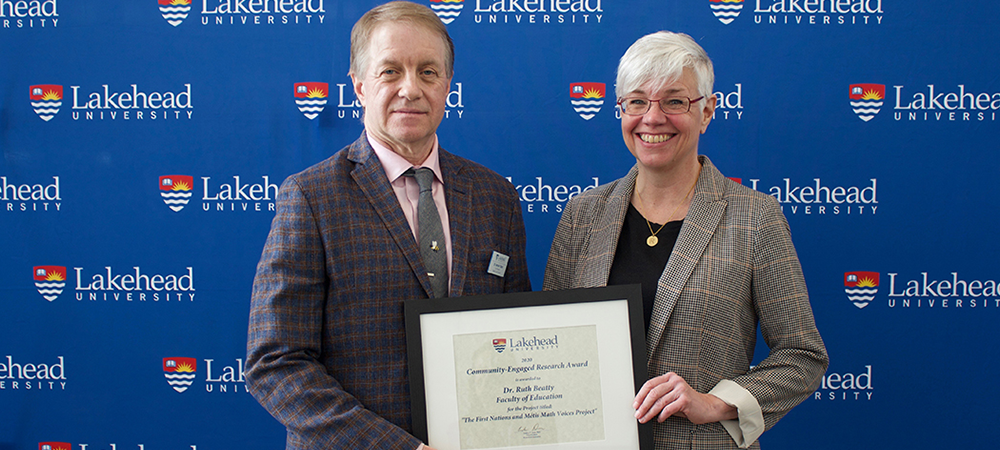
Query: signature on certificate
x=534 y=432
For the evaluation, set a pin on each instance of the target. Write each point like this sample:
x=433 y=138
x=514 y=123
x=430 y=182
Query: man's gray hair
x=418 y=15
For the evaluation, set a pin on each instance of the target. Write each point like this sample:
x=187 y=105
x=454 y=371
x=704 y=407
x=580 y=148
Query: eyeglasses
x=637 y=106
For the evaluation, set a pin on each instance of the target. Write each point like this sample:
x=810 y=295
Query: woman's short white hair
x=661 y=58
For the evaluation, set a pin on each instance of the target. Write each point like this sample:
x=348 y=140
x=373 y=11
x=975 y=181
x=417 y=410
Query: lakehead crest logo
x=50 y=281
x=447 y=10
x=180 y=372
x=46 y=100
x=861 y=287
x=176 y=190
x=500 y=345
x=55 y=446
x=866 y=99
x=310 y=97
x=586 y=98
x=726 y=10
x=175 y=11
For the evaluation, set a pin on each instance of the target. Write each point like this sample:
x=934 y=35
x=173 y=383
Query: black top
x=636 y=262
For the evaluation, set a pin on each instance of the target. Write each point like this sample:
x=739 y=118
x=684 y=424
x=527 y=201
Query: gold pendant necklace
x=652 y=240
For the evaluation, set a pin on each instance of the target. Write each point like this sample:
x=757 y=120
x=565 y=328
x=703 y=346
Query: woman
x=714 y=258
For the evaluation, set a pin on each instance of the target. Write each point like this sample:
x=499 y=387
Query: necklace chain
x=652 y=240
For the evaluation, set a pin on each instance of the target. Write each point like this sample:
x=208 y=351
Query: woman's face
x=660 y=141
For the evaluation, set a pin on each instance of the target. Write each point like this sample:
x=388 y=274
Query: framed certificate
x=534 y=370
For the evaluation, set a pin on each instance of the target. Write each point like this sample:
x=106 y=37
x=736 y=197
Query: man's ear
x=359 y=90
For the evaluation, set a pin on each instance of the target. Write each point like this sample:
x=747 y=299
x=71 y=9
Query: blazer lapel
x=457 y=188
x=704 y=214
x=603 y=239
x=370 y=177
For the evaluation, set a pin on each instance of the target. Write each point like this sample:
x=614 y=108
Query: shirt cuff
x=750 y=423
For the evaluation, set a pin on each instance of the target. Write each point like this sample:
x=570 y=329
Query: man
x=326 y=345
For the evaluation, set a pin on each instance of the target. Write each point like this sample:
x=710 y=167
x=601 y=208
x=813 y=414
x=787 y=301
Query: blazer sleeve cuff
x=750 y=422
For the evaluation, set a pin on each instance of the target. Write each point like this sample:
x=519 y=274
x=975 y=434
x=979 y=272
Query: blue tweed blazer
x=326 y=347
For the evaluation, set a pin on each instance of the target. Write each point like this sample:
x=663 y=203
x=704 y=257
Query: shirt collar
x=394 y=165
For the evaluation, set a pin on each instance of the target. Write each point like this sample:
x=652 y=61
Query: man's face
x=404 y=87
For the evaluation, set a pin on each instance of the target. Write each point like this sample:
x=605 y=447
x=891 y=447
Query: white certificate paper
x=528 y=387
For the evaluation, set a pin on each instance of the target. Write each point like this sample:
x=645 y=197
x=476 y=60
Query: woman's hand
x=669 y=395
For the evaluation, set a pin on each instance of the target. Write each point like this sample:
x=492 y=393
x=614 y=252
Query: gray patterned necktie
x=430 y=237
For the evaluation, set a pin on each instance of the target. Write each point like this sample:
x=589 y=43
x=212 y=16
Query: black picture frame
x=415 y=311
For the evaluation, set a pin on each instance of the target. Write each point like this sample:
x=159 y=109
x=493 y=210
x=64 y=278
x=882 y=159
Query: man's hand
x=669 y=395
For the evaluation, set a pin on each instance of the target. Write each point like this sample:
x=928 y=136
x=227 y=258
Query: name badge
x=498 y=264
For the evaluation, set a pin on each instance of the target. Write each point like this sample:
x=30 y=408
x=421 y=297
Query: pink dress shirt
x=408 y=192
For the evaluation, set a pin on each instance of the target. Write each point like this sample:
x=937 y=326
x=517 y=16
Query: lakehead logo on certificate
x=528 y=387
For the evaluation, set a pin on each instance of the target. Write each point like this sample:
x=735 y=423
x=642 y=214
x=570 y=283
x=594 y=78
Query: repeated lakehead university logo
x=46 y=100
x=175 y=11
x=28 y=14
x=244 y=12
x=218 y=377
x=819 y=197
x=927 y=103
x=180 y=372
x=50 y=281
x=30 y=196
x=861 y=287
x=725 y=10
x=311 y=97
x=500 y=345
x=55 y=446
x=867 y=99
x=176 y=190
x=586 y=98
x=948 y=292
x=110 y=285
x=112 y=103
x=802 y=12
x=447 y=10
x=52 y=445
x=535 y=12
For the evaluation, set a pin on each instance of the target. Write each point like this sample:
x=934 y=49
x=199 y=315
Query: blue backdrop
x=143 y=143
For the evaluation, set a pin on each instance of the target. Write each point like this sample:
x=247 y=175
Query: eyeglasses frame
x=660 y=105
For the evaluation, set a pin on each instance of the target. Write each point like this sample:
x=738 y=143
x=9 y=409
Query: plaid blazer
x=326 y=348
x=733 y=266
